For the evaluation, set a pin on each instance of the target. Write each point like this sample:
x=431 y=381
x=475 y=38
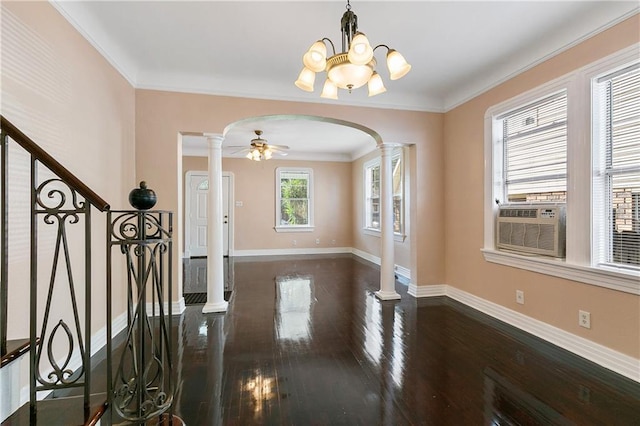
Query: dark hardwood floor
x=306 y=342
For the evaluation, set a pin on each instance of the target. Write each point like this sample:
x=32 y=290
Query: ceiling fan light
x=330 y=90
x=398 y=66
x=360 y=51
x=316 y=57
x=375 y=85
x=306 y=79
x=267 y=154
x=249 y=155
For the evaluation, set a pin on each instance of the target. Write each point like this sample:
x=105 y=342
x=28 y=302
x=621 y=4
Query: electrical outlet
x=317 y=240
x=584 y=319
x=294 y=242
x=520 y=297
x=333 y=242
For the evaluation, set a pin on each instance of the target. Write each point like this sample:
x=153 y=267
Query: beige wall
x=615 y=315
x=64 y=95
x=254 y=186
x=161 y=116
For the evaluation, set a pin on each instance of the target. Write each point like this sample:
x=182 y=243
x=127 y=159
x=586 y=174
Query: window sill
x=611 y=278
x=377 y=233
x=294 y=228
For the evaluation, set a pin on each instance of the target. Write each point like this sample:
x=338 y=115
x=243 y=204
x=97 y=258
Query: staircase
x=47 y=259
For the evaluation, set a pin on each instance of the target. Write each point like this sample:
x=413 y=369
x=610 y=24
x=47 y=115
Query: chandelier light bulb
x=330 y=90
x=360 y=51
x=375 y=85
x=398 y=66
x=316 y=57
x=306 y=79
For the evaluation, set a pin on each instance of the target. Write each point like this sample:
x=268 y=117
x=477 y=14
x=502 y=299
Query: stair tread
x=65 y=411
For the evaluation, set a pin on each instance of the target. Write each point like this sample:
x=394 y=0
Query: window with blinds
x=534 y=140
x=616 y=138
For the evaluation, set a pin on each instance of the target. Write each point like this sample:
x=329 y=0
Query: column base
x=387 y=295
x=215 y=307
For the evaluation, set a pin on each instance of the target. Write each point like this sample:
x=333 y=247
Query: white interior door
x=198 y=187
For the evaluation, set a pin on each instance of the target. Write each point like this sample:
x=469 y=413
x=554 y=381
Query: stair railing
x=58 y=202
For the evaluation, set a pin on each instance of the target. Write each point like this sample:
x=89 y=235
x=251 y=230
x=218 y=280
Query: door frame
x=187 y=209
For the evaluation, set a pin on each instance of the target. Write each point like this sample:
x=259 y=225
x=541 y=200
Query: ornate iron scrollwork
x=142 y=383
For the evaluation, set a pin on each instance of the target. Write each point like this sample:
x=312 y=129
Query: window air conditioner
x=532 y=228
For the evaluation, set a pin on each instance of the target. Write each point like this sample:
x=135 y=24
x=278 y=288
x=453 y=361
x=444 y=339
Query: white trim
x=310 y=194
x=477 y=88
x=427 y=290
x=177 y=307
x=579 y=176
x=626 y=281
x=601 y=355
x=403 y=272
x=400 y=270
x=294 y=228
x=291 y=251
x=376 y=233
x=606 y=357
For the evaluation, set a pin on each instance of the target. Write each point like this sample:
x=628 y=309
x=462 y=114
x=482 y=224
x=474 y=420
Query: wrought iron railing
x=141 y=386
x=59 y=206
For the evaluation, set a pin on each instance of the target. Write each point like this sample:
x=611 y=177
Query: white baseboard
x=177 y=307
x=291 y=251
x=427 y=290
x=602 y=355
x=400 y=270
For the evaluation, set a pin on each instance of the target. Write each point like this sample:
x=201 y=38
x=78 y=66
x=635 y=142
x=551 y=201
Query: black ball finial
x=142 y=198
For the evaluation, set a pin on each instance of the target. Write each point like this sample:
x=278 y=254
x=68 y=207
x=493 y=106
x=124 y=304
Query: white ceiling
x=458 y=49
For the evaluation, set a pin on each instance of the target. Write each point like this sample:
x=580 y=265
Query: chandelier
x=353 y=67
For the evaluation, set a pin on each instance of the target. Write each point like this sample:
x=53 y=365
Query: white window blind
x=617 y=176
x=535 y=150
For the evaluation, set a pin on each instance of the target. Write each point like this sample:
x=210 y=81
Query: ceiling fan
x=260 y=149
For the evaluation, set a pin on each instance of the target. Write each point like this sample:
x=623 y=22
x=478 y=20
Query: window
x=582 y=132
x=616 y=152
x=372 y=193
x=533 y=141
x=294 y=200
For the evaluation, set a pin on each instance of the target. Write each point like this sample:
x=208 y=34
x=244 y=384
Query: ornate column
x=215 y=270
x=387 y=275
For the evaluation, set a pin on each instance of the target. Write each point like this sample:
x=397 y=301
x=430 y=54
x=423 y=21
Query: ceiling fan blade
x=278 y=146
x=239 y=151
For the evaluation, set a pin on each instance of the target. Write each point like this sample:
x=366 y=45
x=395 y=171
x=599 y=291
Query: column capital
x=387 y=147
x=214 y=140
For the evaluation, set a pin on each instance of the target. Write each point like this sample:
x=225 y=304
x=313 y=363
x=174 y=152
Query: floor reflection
x=294 y=300
x=194 y=278
x=305 y=341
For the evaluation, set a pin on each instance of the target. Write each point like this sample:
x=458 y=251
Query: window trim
x=397 y=236
x=578 y=264
x=278 y=217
